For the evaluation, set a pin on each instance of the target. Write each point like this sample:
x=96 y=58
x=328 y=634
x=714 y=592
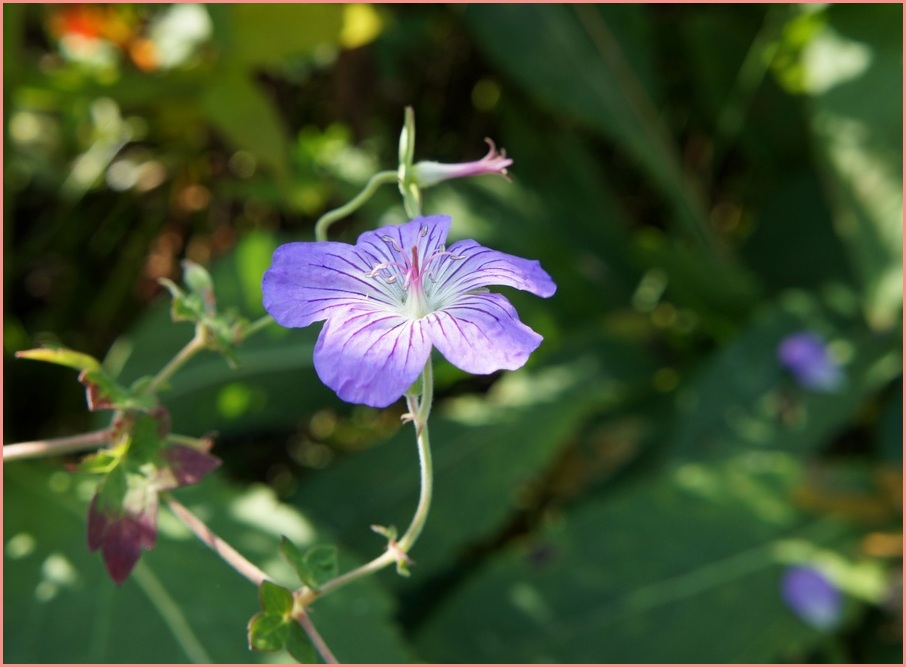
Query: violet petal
x=481 y=267
x=370 y=356
x=481 y=333
x=812 y=596
x=308 y=281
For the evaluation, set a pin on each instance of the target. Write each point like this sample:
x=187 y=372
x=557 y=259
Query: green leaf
x=239 y=108
x=299 y=645
x=742 y=399
x=314 y=566
x=595 y=64
x=259 y=35
x=63 y=357
x=275 y=600
x=493 y=446
x=268 y=632
x=681 y=567
x=181 y=603
x=853 y=74
x=320 y=565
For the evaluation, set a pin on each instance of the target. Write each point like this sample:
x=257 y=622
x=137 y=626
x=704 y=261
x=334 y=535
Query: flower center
x=415 y=302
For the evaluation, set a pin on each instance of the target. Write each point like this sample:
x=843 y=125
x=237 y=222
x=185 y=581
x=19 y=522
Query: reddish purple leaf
x=185 y=466
x=122 y=532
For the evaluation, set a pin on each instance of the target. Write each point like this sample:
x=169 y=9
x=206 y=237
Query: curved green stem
x=419 y=409
x=326 y=220
x=420 y=419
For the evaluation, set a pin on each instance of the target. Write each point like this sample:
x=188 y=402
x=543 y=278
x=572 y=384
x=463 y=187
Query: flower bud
x=431 y=173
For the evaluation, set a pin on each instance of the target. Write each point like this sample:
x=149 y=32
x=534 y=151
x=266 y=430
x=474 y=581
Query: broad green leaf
x=494 y=447
x=268 y=632
x=743 y=400
x=681 y=567
x=181 y=603
x=581 y=60
x=240 y=109
x=853 y=75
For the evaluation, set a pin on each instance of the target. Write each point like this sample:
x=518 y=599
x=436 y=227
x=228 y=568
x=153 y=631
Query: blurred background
x=702 y=462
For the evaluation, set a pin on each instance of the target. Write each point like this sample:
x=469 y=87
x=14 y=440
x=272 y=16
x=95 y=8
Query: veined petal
x=481 y=333
x=393 y=243
x=370 y=356
x=307 y=281
x=470 y=266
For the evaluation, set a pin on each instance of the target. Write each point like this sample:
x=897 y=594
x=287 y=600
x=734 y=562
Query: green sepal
x=267 y=632
x=402 y=568
x=315 y=566
x=100 y=463
x=299 y=645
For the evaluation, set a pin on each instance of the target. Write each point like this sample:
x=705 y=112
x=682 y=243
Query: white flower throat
x=413 y=292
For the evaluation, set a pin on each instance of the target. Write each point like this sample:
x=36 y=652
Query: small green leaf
x=63 y=357
x=267 y=632
x=197 y=279
x=314 y=566
x=291 y=554
x=299 y=645
x=275 y=599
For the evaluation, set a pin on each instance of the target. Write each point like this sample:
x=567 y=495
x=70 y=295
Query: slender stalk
x=256 y=326
x=419 y=410
x=193 y=347
x=423 y=409
x=39 y=448
x=316 y=639
x=232 y=557
x=326 y=220
x=244 y=567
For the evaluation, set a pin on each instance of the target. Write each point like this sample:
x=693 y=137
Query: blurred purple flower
x=430 y=173
x=812 y=597
x=392 y=296
x=806 y=356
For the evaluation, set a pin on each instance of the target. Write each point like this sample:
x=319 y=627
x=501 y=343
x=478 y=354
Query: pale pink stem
x=38 y=448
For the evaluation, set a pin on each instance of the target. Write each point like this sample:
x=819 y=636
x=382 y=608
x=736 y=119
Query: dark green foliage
x=701 y=181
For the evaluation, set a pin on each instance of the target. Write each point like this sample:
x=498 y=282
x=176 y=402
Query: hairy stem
x=232 y=557
x=419 y=411
x=326 y=220
x=244 y=567
x=316 y=639
x=39 y=448
x=256 y=326
x=193 y=347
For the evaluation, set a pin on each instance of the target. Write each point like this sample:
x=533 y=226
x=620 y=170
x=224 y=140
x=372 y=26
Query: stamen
x=423 y=232
x=393 y=244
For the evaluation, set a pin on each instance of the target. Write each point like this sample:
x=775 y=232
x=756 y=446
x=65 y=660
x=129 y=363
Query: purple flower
x=812 y=597
x=430 y=173
x=392 y=296
x=805 y=355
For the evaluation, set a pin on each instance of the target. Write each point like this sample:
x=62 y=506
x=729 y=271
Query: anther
x=389 y=241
